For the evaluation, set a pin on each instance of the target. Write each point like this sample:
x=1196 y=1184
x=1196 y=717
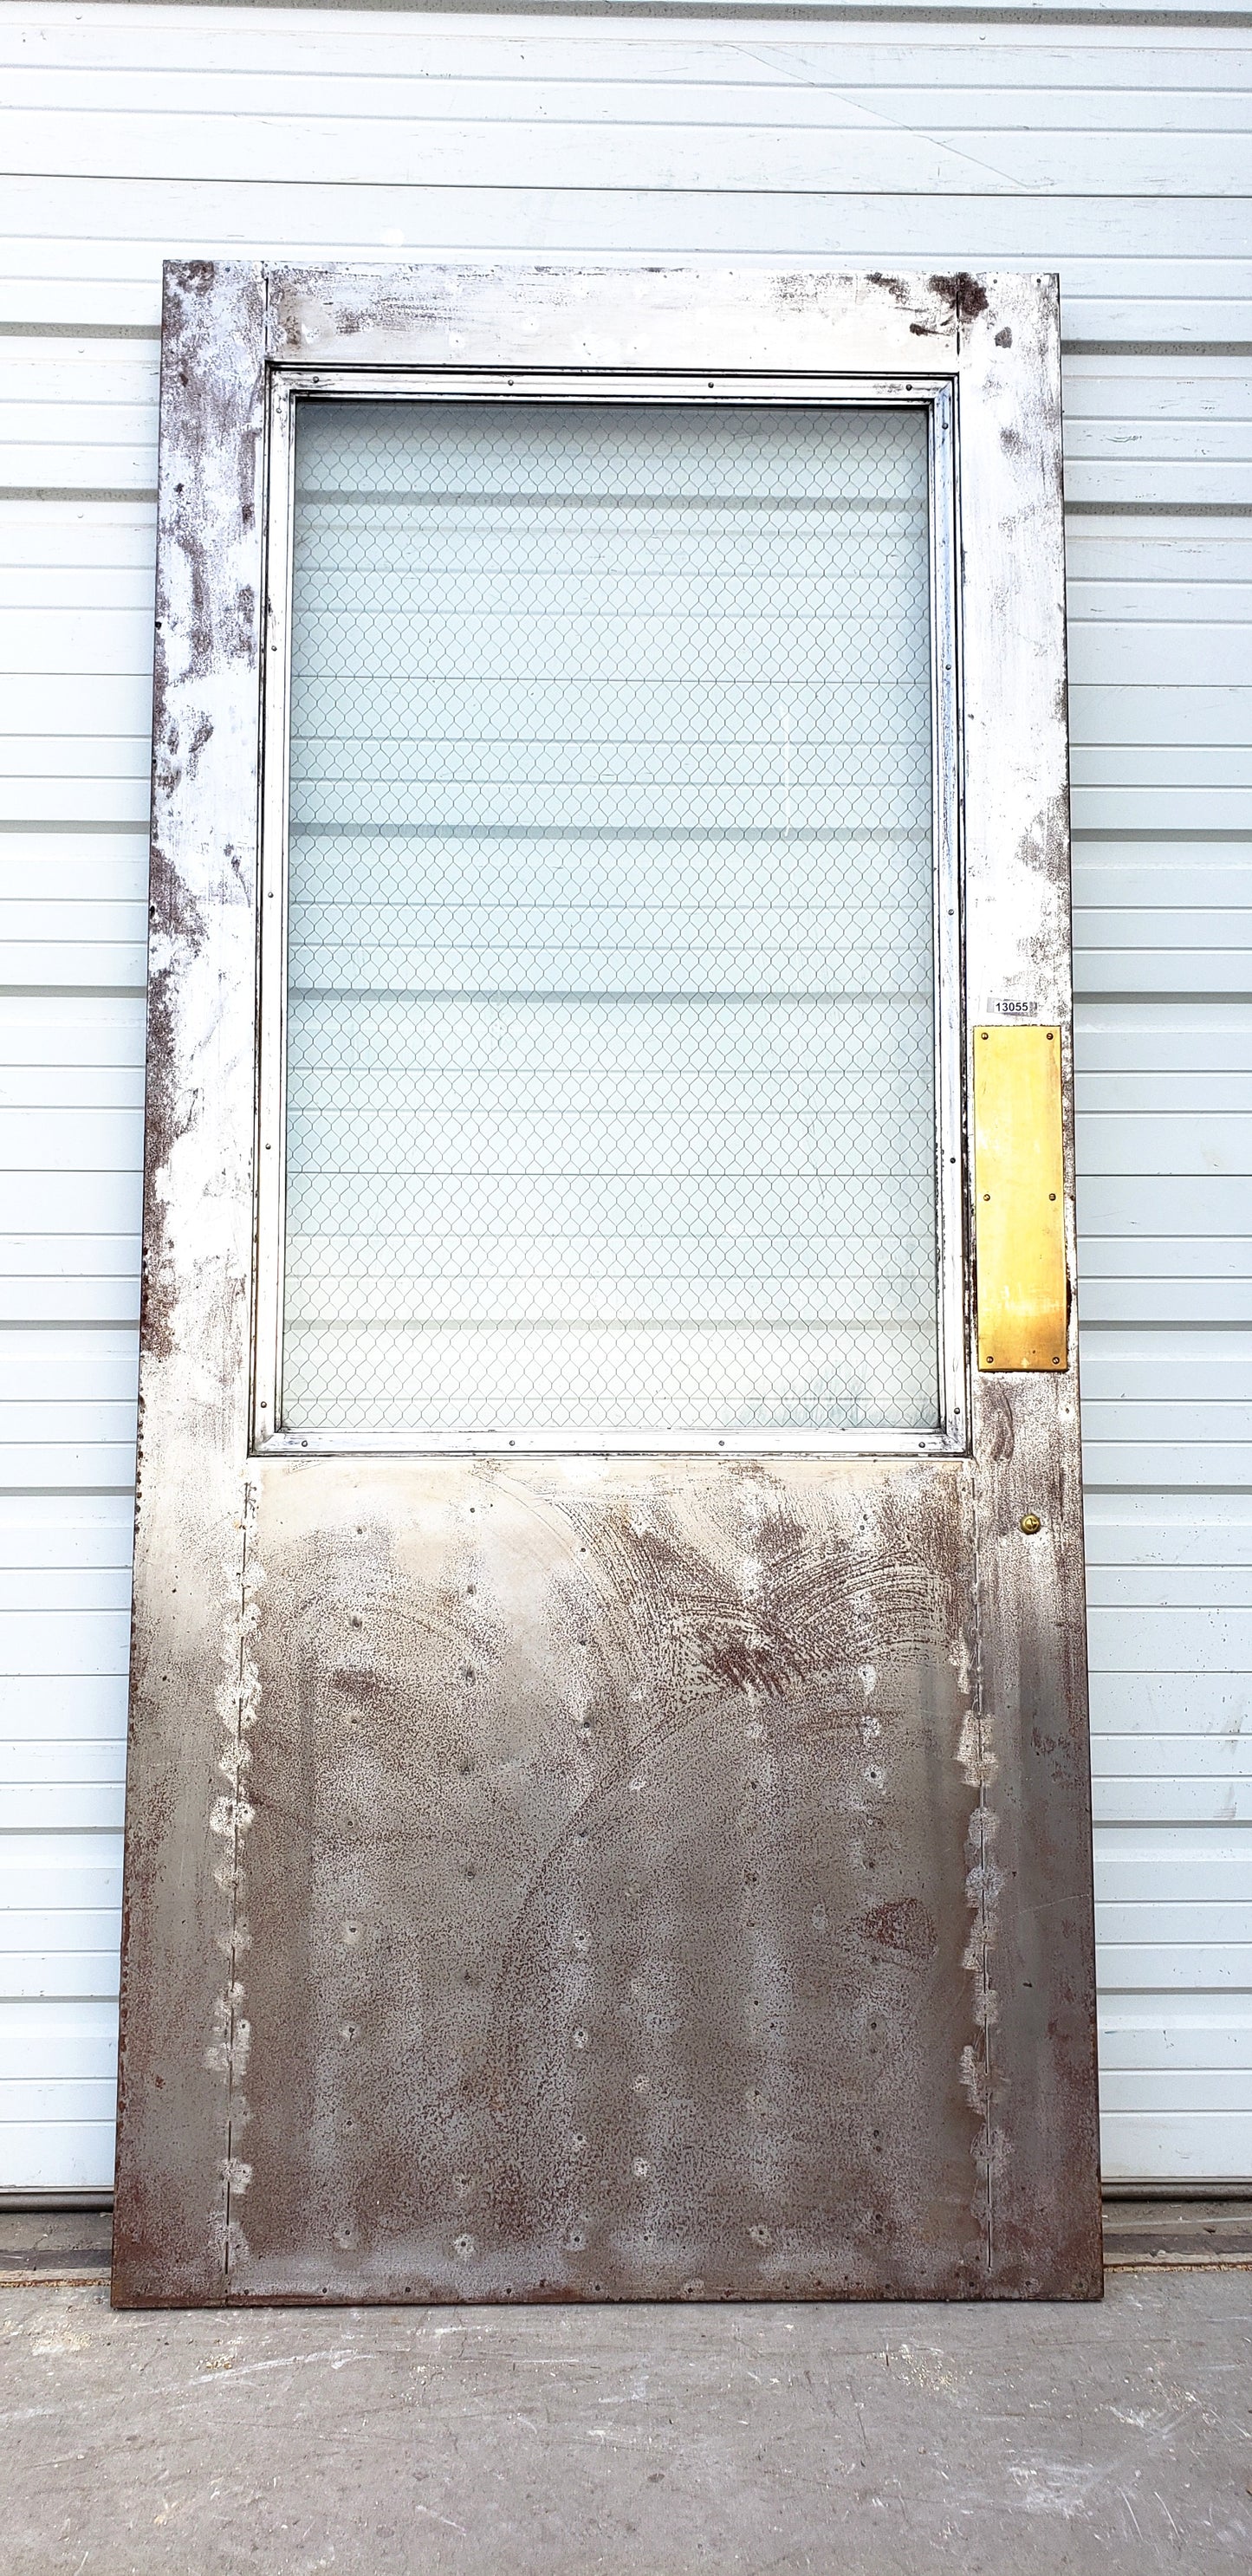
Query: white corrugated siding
x=1119 y=154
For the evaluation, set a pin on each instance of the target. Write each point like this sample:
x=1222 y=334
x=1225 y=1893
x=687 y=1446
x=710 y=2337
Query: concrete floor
x=631 y=2441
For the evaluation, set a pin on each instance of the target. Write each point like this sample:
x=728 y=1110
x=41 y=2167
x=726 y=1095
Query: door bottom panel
x=604 y=1920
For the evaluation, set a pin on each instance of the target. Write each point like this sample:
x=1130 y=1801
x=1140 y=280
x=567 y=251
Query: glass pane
x=610 y=1074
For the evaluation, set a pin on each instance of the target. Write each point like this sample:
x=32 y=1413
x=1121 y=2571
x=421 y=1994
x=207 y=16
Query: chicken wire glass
x=610 y=1090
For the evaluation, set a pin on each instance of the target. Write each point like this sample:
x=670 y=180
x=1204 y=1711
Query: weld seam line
x=234 y=1876
x=979 y=1704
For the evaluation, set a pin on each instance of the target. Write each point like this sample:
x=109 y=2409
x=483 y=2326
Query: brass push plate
x=1019 y=1229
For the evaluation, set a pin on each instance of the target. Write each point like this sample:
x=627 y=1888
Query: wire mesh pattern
x=610 y=1053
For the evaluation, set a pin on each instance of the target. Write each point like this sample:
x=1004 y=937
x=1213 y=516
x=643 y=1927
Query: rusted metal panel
x=612 y=1932
x=480 y=1808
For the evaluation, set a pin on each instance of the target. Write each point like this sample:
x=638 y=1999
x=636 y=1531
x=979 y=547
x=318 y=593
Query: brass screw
x=1030 y=1524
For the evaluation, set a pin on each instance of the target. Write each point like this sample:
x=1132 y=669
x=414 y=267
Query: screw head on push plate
x=1030 y=1524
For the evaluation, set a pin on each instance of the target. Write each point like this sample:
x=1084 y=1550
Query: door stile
x=183 y=2029
x=1032 y=1862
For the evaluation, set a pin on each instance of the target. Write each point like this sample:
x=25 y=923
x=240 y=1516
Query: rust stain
x=900 y=289
x=966 y=295
x=906 y=1926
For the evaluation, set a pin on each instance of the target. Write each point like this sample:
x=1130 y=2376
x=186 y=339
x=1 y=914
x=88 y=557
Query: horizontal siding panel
x=1124 y=1419
x=1187 y=2090
x=1016 y=52
x=70 y=1086
x=1181 y=2146
x=56 y=1298
x=1173 y=1640
x=1197 y=1369
x=1184 y=970
x=46 y=2030
x=111 y=966
x=77 y=757
x=117 y=701
x=96 y=1533
x=1147 y=651
x=1159 y=1462
x=54 y=1704
x=79 y=1582
x=59 y=2099
x=1131 y=394
x=75 y=1467
x=75 y=462
x=65 y=1369
x=39 y=1767
x=92 y=1140
x=1134 y=1091
x=1167 y=752
x=75 y=1885
x=84 y=228
x=1136 y=952
x=1123 y=806
x=54 y=1931
x=61 y=1804
x=632 y=153
x=1092 y=484
x=1165 y=1587
x=1174 y=1963
x=77 y=1762
x=65 y=2155
x=1078 y=88
x=1114 y=1756
x=97 y=1256
x=47 y=870
x=43 y=1029
x=1168 y=1529
x=1189 y=1922
x=1190 y=1703
x=1177 y=1204
x=73 y=1203
x=79 y=544
x=1187 y=1798
x=1109 y=557
x=35 y=797
x=1176 y=2030
x=1193 y=1260
x=1144 y=924
x=1206 y=1868
x=1153 y=1037
x=663 y=86
x=42 y=1975
x=1163 y=1300
x=80 y=1641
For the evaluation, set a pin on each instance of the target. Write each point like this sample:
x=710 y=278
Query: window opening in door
x=610 y=1079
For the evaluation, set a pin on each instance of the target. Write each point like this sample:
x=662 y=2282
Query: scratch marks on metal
x=231 y=1819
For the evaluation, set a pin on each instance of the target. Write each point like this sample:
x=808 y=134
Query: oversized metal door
x=607 y=1811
